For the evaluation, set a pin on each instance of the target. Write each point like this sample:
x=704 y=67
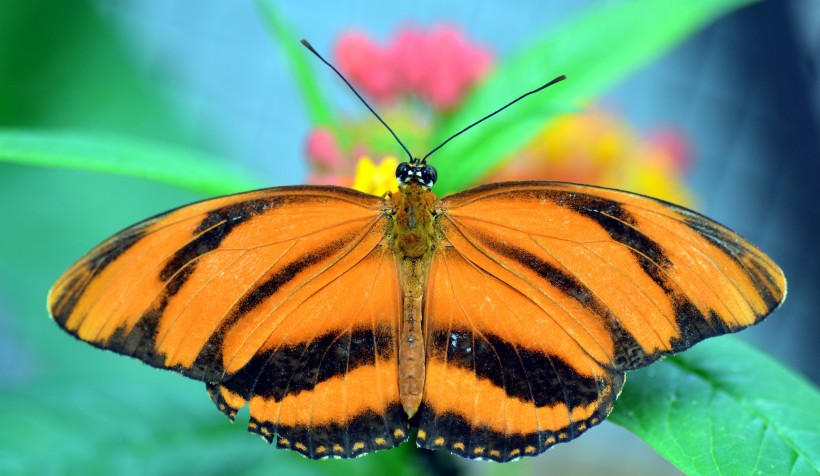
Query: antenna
x=556 y=80
x=424 y=160
x=308 y=46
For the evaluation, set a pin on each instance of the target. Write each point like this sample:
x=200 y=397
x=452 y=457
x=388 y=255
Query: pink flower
x=322 y=148
x=409 y=52
x=367 y=65
x=439 y=66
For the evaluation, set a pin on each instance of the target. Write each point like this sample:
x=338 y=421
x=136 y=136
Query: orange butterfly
x=498 y=321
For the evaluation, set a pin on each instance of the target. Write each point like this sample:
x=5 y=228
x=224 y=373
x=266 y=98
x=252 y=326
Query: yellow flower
x=376 y=179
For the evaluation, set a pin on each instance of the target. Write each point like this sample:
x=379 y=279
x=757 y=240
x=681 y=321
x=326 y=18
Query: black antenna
x=308 y=46
x=556 y=80
x=424 y=160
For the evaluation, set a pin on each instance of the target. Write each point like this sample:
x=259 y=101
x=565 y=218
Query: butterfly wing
x=542 y=294
x=285 y=298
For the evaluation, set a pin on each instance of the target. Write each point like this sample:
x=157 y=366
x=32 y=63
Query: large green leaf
x=122 y=155
x=596 y=50
x=724 y=407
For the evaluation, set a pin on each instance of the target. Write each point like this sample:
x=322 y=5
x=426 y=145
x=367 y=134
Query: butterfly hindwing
x=333 y=392
x=286 y=299
x=543 y=294
x=503 y=379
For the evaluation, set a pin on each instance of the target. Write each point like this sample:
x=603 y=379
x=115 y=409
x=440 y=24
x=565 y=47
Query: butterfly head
x=418 y=172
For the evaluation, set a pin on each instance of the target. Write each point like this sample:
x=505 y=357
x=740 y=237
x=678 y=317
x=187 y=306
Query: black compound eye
x=428 y=175
x=403 y=172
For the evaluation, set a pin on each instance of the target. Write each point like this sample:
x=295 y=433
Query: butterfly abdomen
x=413 y=240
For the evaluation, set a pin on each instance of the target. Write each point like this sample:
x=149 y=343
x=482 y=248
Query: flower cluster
x=435 y=68
x=597 y=147
x=438 y=68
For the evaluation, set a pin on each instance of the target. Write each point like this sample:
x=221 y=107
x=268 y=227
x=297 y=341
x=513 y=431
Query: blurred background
x=724 y=120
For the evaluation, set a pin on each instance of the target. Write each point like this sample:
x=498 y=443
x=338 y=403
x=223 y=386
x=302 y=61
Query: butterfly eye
x=403 y=172
x=428 y=175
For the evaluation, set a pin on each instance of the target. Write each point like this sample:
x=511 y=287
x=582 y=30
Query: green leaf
x=724 y=407
x=321 y=113
x=595 y=50
x=122 y=155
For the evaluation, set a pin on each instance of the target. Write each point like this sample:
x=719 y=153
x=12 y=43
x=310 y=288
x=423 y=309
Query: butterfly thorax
x=413 y=239
x=412 y=233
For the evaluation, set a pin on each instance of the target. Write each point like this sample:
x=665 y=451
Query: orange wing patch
x=267 y=297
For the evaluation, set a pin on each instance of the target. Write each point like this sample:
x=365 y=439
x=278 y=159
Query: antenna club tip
x=307 y=45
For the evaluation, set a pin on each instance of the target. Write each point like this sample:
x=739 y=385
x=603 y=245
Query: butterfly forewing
x=285 y=298
x=542 y=294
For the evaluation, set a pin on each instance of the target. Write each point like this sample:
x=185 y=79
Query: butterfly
x=497 y=321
